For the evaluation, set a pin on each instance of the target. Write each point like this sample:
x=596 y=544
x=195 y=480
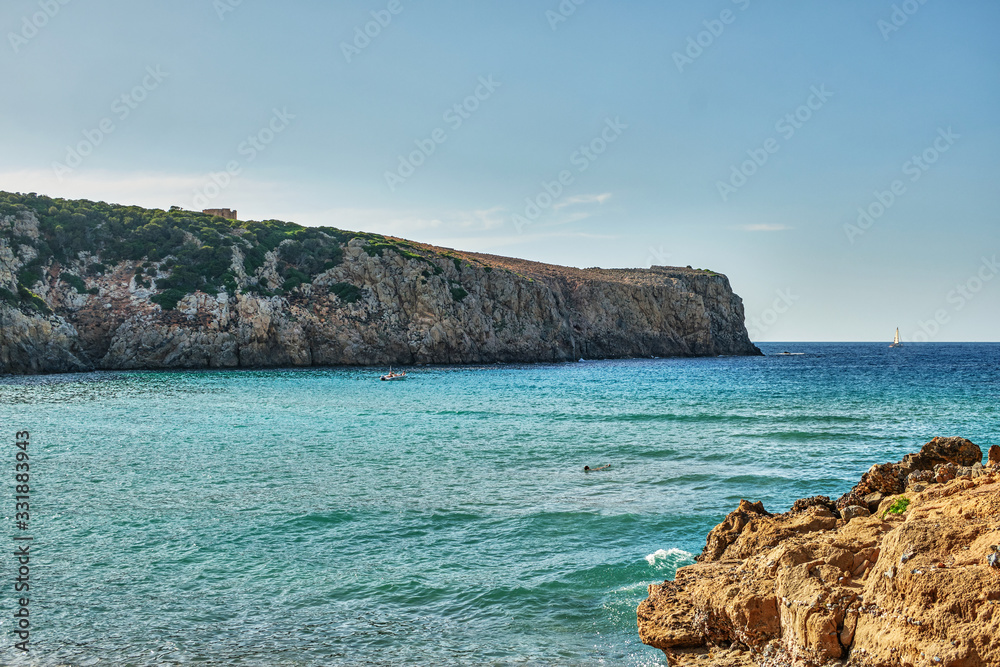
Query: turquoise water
x=320 y=517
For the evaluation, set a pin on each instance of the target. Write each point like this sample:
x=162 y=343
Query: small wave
x=702 y=417
x=319 y=519
x=755 y=479
x=668 y=557
x=658 y=454
x=808 y=435
x=448 y=518
x=690 y=478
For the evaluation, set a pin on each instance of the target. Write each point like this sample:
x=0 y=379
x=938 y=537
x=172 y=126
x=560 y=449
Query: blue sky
x=740 y=136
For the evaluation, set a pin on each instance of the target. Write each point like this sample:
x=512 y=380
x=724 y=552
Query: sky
x=838 y=161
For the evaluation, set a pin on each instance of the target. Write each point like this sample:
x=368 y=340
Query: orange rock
x=776 y=584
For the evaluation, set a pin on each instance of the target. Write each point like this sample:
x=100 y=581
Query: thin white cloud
x=406 y=224
x=490 y=218
x=582 y=199
x=763 y=228
x=569 y=218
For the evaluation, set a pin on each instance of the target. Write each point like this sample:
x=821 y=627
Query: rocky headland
x=901 y=571
x=89 y=286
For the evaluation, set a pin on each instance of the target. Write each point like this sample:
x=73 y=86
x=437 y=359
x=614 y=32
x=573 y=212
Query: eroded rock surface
x=420 y=305
x=939 y=460
x=915 y=583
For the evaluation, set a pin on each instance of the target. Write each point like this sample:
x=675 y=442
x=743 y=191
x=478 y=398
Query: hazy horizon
x=837 y=163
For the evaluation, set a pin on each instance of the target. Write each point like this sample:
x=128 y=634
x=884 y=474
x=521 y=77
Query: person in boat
x=589 y=469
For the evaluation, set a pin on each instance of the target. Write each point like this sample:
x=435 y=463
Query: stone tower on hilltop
x=228 y=214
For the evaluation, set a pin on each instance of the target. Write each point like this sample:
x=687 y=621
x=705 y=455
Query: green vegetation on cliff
x=347 y=292
x=87 y=285
x=195 y=250
x=76 y=282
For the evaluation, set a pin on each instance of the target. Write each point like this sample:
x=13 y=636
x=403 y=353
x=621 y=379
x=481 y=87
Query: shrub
x=30 y=273
x=256 y=288
x=74 y=281
x=346 y=292
x=253 y=259
x=379 y=245
x=295 y=278
x=898 y=506
x=9 y=297
x=168 y=299
x=32 y=300
x=458 y=293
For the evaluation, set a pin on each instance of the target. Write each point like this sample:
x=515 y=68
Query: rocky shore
x=901 y=571
x=276 y=294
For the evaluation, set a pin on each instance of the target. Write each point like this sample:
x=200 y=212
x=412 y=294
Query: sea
x=321 y=517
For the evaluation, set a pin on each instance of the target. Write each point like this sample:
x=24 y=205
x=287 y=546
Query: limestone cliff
x=93 y=286
x=902 y=579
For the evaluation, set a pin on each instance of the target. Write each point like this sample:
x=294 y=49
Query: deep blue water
x=321 y=517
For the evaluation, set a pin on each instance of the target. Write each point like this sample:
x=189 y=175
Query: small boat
x=895 y=341
x=393 y=376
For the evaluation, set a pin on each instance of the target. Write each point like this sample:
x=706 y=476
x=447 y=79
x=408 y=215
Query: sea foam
x=668 y=557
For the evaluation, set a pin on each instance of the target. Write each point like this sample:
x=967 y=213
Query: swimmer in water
x=589 y=469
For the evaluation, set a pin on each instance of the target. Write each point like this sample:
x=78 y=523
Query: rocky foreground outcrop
x=377 y=301
x=903 y=570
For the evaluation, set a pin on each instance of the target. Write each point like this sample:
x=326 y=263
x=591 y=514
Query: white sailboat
x=895 y=341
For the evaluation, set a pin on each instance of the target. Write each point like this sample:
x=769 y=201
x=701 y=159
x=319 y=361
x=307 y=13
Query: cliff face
x=378 y=301
x=899 y=580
